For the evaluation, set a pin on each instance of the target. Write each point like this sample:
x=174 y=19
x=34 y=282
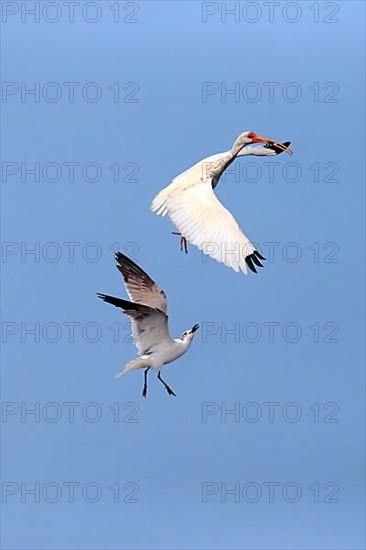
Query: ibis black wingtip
x=256 y=253
x=256 y=261
x=252 y=259
x=249 y=263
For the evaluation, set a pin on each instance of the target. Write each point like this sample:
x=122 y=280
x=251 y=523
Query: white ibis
x=200 y=217
x=149 y=319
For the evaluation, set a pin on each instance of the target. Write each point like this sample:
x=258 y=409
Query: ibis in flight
x=201 y=218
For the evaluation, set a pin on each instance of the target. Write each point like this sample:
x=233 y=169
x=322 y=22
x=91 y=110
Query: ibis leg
x=183 y=242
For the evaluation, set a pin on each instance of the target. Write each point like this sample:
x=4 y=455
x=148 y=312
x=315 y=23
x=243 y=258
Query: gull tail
x=138 y=363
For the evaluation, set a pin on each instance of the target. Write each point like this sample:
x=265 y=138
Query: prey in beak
x=259 y=139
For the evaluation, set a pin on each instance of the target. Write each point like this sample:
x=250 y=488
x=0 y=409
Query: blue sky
x=140 y=106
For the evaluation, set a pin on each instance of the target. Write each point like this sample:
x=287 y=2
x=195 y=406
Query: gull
x=149 y=320
x=200 y=217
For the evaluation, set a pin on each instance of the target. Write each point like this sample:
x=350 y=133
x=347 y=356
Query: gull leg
x=183 y=242
x=144 y=391
x=169 y=390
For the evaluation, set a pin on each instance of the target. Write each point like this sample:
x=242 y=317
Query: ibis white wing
x=195 y=174
x=194 y=208
x=207 y=224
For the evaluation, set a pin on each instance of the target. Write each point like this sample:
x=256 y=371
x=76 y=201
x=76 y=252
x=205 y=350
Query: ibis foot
x=183 y=242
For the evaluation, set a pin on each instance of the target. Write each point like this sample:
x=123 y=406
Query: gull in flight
x=201 y=219
x=149 y=319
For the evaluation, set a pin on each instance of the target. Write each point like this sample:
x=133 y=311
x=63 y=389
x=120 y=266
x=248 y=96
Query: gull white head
x=251 y=137
x=188 y=335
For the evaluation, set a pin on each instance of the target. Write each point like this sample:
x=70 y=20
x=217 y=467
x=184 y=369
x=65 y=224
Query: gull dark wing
x=140 y=287
x=130 y=308
x=149 y=325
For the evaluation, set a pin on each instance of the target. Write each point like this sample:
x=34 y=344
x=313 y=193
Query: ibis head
x=251 y=137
